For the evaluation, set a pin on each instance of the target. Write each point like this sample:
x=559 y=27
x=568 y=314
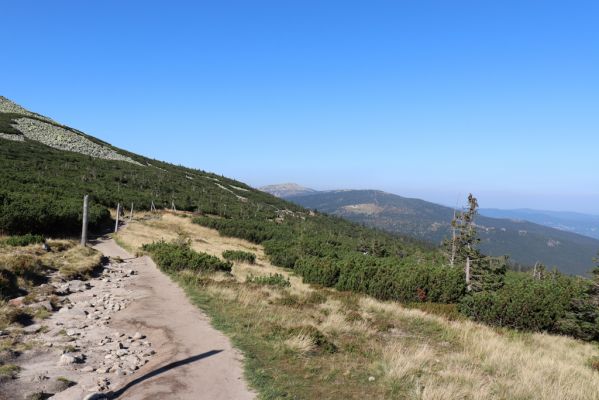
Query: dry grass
x=410 y=354
x=32 y=266
x=66 y=256
x=74 y=261
x=170 y=226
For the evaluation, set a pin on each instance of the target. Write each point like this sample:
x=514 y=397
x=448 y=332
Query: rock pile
x=79 y=343
x=64 y=139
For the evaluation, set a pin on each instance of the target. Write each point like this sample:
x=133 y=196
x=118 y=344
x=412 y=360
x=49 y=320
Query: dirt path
x=193 y=360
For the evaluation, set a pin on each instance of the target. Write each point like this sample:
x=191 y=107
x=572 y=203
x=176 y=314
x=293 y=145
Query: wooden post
x=131 y=215
x=118 y=212
x=152 y=206
x=84 y=228
x=173 y=203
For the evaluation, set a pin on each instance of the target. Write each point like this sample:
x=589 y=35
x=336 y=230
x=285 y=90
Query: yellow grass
x=170 y=226
x=417 y=355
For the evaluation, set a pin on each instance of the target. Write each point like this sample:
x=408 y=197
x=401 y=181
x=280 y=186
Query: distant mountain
x=524 y=241
x=583 y=224
x=284 y=190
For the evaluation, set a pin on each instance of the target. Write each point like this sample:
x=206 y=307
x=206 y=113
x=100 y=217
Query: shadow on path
x=158 y=371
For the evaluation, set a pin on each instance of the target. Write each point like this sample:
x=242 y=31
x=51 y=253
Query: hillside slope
x=46 y=171
x=48 y=167
x=524 y=241
x=582 y=224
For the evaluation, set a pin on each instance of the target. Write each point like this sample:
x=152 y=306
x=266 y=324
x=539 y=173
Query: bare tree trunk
x=84 y=227
x=468 y=284
x=453 y=239
x=131 y=215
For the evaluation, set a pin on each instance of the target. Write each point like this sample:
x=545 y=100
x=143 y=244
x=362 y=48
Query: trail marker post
x=84 y=227
x=118 y=212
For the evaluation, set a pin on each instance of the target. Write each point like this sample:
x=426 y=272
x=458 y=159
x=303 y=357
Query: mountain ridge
x=524 y=241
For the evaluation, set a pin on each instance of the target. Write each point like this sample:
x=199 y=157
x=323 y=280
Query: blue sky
x=429 y=99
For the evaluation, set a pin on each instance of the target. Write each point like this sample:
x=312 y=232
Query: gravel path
x=193 y=360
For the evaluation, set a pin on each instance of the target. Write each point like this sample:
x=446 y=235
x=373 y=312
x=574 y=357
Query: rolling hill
x=582 y=224
x=284 y=190
x=524 y=241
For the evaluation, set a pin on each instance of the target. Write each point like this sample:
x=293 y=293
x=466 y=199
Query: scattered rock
x=17 y=302
x=138 y=336
x=67 y=359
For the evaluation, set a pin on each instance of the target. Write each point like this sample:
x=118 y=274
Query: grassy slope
x=525 y=242
x=409 y=353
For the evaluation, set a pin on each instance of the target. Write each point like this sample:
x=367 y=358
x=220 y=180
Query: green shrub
x=22 y=213
x=526 y=303
x=394 y=279
x=173 y=257
x=321 y=271
x=25 y=240
x=270 y=280
x=238 y=255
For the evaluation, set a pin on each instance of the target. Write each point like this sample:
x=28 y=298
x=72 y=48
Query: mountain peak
x=284 y=190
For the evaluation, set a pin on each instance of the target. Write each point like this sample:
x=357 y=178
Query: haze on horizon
x=421 y=99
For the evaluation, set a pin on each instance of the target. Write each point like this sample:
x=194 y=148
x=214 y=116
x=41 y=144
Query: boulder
x=67 y=359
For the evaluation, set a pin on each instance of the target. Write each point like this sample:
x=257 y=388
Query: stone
x=87 y=369
x=31 y=329
x=67 y=359
x=138 y=336
x=43 y=304
x=76 y=286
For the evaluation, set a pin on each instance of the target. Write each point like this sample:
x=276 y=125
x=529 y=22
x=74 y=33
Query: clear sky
x=430 y=99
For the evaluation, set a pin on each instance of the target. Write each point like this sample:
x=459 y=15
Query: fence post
x=84 y=228
x=131 y=215
x=118 y=212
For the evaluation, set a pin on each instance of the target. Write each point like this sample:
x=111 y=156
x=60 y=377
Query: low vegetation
x=306 y=342
x=338 y=254
x=179 y=256
x=25 y=240
x=239 y=255
x=269 y=280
